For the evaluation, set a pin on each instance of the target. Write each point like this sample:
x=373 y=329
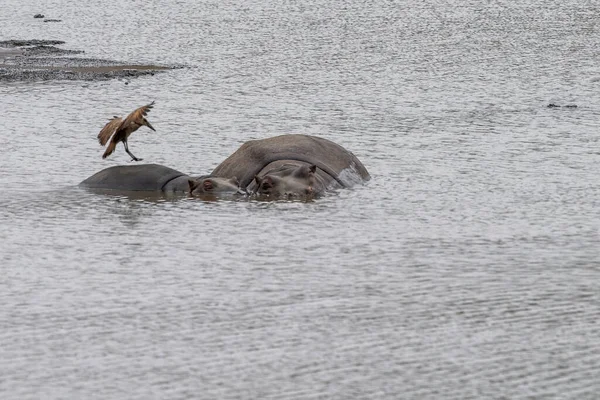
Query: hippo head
x=214 y=185
x=287 y=181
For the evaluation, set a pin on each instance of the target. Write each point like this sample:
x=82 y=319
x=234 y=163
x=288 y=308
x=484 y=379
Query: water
x=467 y=267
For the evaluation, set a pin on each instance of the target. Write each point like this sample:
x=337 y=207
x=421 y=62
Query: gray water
x=467 y=268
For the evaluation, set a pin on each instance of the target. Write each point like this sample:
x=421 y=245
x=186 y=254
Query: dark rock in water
x=33 y=42
x=53 y=20
x=552 y=105
x=38 y=16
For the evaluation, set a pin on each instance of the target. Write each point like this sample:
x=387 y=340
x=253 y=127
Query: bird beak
x=149 y=126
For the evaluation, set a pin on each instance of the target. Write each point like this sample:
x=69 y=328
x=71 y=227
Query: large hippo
x=154 y=177
x=292 y=165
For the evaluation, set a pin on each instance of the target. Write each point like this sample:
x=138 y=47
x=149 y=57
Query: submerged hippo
x=154 y=177
x=292 y=165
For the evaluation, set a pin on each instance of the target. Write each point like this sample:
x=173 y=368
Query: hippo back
x=145 y=177
x=330 y=157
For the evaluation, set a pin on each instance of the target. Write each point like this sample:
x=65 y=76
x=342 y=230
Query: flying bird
x=118 y=130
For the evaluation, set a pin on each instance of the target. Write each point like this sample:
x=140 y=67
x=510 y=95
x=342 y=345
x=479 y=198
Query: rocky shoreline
x=42 y=60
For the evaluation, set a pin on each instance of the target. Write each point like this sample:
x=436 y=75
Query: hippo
x=292 y=165
x=157 y=178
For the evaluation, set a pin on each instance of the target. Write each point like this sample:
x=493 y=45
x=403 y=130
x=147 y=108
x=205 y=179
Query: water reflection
x=162 y=197
x=149 y=196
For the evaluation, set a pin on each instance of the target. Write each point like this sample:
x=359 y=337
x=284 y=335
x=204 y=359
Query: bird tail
x=103 y=137
x=109 y=149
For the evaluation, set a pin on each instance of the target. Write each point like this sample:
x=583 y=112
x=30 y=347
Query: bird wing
x=109 y=129
x=137 y=115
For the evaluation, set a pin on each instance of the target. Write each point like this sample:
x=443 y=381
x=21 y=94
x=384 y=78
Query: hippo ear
x=208 y=185
x=192 y=184
x=257 y=179
x=266 y=180
x=312 y=169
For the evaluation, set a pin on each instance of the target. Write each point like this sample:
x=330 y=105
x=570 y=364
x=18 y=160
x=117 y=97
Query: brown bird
x=120 y=129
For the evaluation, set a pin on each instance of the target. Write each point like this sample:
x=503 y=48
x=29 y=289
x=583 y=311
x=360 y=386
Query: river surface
x=467 y=268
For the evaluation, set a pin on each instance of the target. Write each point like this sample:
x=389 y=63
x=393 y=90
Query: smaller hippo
x=155 y=178
x=214 y=185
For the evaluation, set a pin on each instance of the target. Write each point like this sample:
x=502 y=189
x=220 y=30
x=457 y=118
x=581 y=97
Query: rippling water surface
x=467 y=268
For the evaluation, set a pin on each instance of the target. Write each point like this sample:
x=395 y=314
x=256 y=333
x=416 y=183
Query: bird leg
x=130 y=153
